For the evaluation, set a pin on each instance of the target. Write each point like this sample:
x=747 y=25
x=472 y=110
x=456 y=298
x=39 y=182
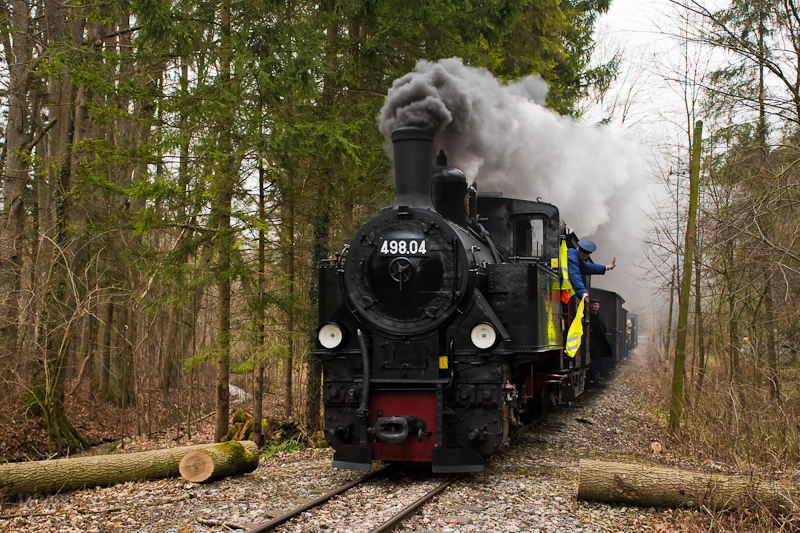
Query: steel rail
x=278 y=520
x=414 y=507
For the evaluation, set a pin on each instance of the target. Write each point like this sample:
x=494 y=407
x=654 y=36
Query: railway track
x=391 y=485
x=379 y=494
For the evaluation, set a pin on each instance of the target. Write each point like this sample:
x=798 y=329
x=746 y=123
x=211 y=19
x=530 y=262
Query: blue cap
x=587 y=246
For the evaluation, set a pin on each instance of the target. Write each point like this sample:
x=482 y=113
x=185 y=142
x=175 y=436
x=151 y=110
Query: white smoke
x=503 y=137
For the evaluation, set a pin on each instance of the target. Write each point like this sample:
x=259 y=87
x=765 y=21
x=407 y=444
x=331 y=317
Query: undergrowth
x=736 y=426
x=274 y=448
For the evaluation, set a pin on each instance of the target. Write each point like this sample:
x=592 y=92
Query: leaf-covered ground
x=534 y=480
x=23 y=438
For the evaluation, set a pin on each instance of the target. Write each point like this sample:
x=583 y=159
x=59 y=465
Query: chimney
x=413 y=153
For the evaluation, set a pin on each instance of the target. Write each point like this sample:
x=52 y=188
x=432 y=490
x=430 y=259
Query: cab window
x=529 y=237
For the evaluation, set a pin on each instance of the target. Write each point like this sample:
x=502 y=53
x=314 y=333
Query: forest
x=724 y=236
x=173 y=172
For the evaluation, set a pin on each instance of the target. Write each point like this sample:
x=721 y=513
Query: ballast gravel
x=529 y=486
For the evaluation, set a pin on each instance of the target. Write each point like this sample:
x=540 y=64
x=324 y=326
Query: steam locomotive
x=442 y=324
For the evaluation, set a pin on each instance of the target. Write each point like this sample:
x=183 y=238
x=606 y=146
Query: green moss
x=235 y=450
x=241 y=416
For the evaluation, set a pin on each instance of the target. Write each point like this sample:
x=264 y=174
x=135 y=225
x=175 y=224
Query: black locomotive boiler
x=442 y=324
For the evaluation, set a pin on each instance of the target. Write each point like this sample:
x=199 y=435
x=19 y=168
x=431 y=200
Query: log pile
x=242 y=427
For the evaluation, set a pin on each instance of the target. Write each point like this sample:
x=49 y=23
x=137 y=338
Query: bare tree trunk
x=105 y=351
x=676 y=405
x=701 y=344
x=258 y=371
x=322 y=220
x=733 y=329
x=169 y=361
x=290 y=266
x=223 y=354
x=15 y=174
x=223 y=205
x=772 y=355
x=769 y=315
x=86 y=352
x=123 y=382
x=671 y=305
x=59 y=272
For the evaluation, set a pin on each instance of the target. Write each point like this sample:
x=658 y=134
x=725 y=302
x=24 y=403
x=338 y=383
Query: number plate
x=404 y=247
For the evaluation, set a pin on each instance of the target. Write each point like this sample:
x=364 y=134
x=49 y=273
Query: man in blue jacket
x=577 y=265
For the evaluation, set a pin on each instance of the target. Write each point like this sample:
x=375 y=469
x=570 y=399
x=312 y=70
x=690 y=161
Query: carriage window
x=529 y=237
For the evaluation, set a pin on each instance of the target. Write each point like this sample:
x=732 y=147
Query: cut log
x=224 y=459
x=651 y=486
x=59 y=475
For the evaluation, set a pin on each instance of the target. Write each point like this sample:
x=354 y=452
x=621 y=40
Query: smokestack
x=413 y=152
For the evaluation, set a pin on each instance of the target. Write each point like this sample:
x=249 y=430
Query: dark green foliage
x=554 y=39
x=172 y=121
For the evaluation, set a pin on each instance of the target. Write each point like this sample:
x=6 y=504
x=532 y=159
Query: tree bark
x=261 y=336
x=679 y=367
x=289 y=223
x=669 y=313
x=18 y=57
x=224 y=459
x=700 y=346
x=60 y=475
x=772 y=349
x=733 y=329
x=650 y=486
x=322 y=223
x=105 y=351
x=226 y=240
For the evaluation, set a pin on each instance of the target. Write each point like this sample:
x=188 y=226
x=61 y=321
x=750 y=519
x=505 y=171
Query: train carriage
x=613 y=313
x=631 y=332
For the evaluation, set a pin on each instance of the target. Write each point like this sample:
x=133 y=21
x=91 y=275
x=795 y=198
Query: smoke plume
x=503 y=137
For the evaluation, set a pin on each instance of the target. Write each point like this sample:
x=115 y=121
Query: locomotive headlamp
x=330 y=336
x=483 y=336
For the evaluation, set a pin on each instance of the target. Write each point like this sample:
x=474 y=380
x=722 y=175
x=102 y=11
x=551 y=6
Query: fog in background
x=503 y=138
x=654 y=102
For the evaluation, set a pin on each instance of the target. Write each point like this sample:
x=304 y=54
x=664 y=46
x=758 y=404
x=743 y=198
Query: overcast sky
x=605 y=180
x=649 y=113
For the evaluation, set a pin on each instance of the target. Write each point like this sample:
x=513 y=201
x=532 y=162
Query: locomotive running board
x=455 y=461
x=353 y=458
